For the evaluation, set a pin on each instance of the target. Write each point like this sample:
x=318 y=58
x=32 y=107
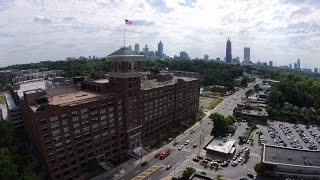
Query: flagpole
x=124 y=39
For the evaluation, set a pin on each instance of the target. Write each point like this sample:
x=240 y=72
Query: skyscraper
x=298 y=63
x=184 y=55
x=228 y=51
x=270 y=63
x=136 y=48
x=246 y=54
x=146 y=50
x=206 y=57
x=160 y=49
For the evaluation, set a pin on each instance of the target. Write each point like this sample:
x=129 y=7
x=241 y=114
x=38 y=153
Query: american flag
x=128 y=22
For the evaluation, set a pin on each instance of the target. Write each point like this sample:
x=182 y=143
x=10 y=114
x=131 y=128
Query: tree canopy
x=221 y=125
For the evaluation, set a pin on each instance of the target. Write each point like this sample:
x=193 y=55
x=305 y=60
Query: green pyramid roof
x=124 y=52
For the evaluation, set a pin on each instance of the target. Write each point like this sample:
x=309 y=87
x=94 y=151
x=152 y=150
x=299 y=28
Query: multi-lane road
x=156 y=168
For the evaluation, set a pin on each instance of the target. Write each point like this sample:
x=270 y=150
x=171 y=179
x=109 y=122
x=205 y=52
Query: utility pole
x=141 y=157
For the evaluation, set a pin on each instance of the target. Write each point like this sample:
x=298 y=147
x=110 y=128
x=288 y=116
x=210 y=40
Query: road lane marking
x=147 y=172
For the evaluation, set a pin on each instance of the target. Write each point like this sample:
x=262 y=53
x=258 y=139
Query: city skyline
x=282 y=31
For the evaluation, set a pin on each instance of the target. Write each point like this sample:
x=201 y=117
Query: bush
x=203 y=173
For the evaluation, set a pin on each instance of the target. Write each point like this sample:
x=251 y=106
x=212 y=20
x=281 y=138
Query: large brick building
x=104 y=120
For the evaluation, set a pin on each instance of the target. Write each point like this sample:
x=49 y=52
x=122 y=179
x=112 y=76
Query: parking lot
x=290 y=135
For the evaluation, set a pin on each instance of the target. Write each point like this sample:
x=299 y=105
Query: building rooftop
x=154 y=83
x=30 y=85
x=124 y=52
x=10 y=102
x=219 y=145
x=289 y=156
x=255 y=113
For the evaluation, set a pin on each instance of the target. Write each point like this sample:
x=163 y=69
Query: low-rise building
x=283 y=162
x=221 y=147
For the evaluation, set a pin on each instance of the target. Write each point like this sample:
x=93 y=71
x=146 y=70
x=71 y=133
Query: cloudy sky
x=278 y=30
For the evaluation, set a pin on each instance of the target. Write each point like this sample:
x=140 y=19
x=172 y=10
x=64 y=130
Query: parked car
x=234 y=163
x=195 y=159
x=180 y=147
x=168 y=167
x=199 y=157
x=250 y=175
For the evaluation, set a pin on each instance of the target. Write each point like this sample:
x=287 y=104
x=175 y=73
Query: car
x=234 y=163
x=234 y=158
x=240 y=159
x=180 y=147
x=168 y=167
x=222 y=107
x=199 y=157
x=243 y=179
x=225 y=164
x=157 y=155
x=209 y=122
x=218 y=161
x=144 y=163
x=175 y=143
x=192 y=131
x=195 y=145
x=250 y=175
x=248 y=142
x=170 y=139
x=187 y=142
x=213 y=163
x=208 y=159
x=195 y=159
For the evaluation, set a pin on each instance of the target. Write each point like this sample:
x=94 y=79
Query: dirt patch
x=205 y=101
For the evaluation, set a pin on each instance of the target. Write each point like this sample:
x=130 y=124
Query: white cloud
x=280 y=30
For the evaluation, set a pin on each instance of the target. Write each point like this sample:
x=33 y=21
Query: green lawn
x=215 y=103
x=2 y=99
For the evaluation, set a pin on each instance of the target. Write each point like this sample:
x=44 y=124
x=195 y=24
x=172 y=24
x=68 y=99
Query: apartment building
x=103 y=120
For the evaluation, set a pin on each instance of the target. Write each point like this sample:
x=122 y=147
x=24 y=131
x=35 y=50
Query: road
x=179 y=159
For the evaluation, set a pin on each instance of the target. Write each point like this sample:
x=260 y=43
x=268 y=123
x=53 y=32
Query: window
x=96 y=137
x=58 y=144
x=103 y=111
x=53 y=118
x=102 y=118
x=75 y=125
x=77 y=131
x=56 y=132
x=75 y=119
x=95 y=126
x=66 y=129
x=86 y=129
x=84 y=110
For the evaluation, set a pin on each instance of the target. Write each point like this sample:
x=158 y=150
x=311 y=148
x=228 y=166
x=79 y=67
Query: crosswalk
x=180 y=167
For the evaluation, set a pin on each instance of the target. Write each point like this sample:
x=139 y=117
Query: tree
x=249 y=92
x=220 y=126
x=260 y=168
x=8 y=169
x=29 y=176
x=187 y=173
x=6 y=134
